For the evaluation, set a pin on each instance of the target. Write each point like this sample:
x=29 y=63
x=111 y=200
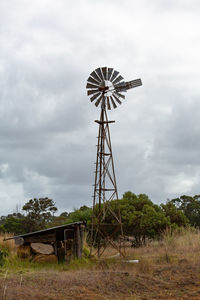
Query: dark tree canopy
x=190 y=206
x=13 y=225
x=140 y=217
x=39 y=212
x=177 y=216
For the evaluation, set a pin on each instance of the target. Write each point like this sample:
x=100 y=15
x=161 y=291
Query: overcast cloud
x=47 y=135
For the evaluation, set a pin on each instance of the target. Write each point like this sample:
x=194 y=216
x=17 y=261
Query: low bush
x=3 y=254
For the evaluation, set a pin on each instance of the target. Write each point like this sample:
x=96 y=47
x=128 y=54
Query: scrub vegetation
x=161 y=262
x=168 y=268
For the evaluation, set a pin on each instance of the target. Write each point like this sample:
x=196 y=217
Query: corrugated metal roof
x=45 y=230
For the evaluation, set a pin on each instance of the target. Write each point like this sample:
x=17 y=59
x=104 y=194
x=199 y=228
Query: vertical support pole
x=78 y=242
x=68 y=245
x=92 y=237
x=56 y=248
x=82 y=238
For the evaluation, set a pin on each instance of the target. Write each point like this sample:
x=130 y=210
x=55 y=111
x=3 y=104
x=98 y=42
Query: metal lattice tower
x=104 y=87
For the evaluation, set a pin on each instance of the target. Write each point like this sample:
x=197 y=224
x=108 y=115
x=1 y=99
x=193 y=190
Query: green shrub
x=86 y=252
x=3 y=254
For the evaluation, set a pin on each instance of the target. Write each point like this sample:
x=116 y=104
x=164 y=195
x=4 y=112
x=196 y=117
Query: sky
x=47 y=129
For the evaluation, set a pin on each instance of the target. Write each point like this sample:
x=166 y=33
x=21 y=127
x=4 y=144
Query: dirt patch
x=181 y=281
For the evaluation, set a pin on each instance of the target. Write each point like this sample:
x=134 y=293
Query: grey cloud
x=47 y=132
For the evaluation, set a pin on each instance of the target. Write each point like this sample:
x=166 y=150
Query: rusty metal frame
x=105 y=186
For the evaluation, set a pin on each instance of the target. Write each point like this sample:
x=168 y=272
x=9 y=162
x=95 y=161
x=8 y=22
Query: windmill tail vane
x=105 y=87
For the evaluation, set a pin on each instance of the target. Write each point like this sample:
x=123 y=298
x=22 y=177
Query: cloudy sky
x=47 y=132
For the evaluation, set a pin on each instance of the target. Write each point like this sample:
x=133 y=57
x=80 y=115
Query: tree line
x=141 y=218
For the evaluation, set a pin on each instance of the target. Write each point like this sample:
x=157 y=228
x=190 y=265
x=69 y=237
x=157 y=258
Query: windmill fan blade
x=89 y=85
x=108 y=103
x=102 y=84
x=118 y=79
x=133 y=83
x=92 y=80
x=90 y=92
x=114 y=75
x=95 y=76
x=120 y=87
x=109 y=72
x=104 y=71
x=95 y=96
x=120 y=95
x=113 y=102
x=117 y=99
x=98 y=101
x=98 y=71
x=120 y=84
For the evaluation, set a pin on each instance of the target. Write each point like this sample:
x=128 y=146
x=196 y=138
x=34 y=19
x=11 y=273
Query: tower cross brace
x=105 y=189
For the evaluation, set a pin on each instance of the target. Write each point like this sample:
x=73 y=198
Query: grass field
x=167 y=269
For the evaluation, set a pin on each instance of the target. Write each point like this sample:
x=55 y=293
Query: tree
x=13 y=225
x=140 y=217
x=64 y=214
x=190 y=206
x=39 y=213
x=84 y=214
x=177 y=216
x=153 y=222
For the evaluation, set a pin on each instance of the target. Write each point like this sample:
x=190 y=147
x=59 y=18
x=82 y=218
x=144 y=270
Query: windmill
x=105 y=87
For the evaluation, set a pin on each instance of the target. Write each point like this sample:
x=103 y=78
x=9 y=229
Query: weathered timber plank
x=41 y=238
x=78 y=243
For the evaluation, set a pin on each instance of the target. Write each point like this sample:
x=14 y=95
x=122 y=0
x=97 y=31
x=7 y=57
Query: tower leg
x=103 y=229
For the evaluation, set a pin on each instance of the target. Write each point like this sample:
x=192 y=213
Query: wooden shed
x=66 y=240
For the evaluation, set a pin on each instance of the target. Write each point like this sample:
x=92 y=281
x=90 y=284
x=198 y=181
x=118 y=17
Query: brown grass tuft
x=10 y=244
x=24 y=251
x=174 y=246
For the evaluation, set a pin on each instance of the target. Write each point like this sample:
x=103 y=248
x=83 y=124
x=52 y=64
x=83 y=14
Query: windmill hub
x=103 y=89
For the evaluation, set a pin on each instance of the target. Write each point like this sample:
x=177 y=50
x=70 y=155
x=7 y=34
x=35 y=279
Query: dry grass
x=167 y=269
x=166 y=282
x=183 y=244
x=10 y=244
